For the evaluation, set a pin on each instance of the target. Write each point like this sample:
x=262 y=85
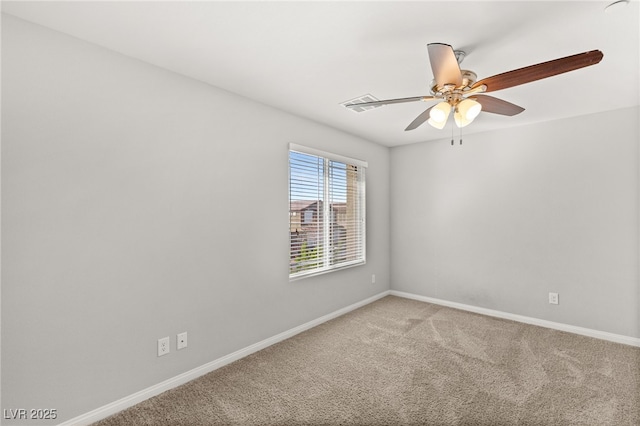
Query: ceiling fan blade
x=540 y=71
x=419 y=119
x=444 y=64
x=497 y=106
x=391 y=101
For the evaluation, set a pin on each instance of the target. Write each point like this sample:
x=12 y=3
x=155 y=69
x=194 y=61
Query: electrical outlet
x=373 y=278
x=163 y=346
x=553 y=298
x=181 y=341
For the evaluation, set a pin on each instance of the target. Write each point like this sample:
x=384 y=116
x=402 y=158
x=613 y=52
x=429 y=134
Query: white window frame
x=361 y=193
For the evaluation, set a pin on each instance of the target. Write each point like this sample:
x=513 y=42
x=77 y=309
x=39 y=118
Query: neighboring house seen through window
x=326 y=211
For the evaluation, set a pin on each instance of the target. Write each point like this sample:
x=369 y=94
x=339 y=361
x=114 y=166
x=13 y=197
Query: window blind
x=326 y=211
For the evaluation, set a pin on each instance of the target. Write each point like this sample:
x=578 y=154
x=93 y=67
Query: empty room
x=462 y=241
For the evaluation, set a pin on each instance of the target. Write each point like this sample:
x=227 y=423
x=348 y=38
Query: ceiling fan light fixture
x=466 y=111
x=439 y=115
x=469 y=108
x=437 y=124
x=460 y=120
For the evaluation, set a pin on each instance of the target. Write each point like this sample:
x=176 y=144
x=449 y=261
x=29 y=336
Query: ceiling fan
x=459 y=91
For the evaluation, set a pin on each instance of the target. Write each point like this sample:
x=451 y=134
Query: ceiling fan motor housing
x=450 y=92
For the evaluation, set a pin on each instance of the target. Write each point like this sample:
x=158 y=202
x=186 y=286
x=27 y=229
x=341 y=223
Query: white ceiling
x=308 y=57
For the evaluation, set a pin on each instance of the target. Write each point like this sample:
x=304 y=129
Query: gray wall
x=512 y=215
x=137 y=204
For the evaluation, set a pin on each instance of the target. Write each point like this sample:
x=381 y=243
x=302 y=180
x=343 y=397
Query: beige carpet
x=400 y=362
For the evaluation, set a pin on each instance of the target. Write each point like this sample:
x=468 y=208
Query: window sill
x=301 y=275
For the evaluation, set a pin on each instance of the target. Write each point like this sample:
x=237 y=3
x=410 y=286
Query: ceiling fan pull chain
x=451 y=134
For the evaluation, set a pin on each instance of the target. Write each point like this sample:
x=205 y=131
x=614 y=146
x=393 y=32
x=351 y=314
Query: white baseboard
x=131 y=400
x=617 y=338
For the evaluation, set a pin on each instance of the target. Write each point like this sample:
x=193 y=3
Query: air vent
x=360 y=100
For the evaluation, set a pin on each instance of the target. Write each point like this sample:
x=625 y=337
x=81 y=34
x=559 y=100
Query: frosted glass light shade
x=466 y=112
x=439 y=114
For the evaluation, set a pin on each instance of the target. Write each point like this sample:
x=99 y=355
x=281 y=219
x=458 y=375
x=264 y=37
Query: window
x=326 y=211
x=308 y=216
